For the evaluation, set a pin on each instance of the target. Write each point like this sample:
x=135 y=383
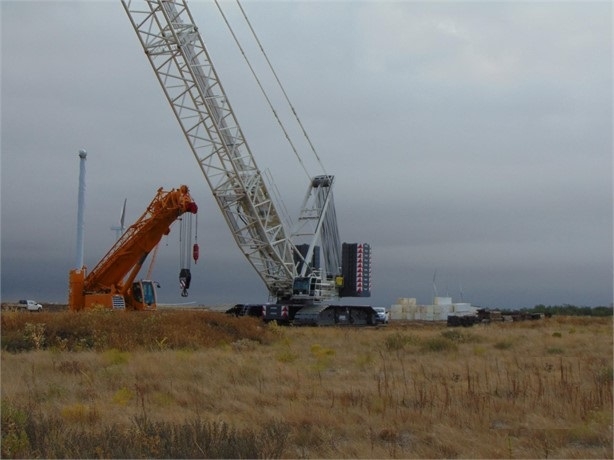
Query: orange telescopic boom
x=111 y=284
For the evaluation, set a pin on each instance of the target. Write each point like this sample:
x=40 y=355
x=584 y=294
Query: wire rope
x=262 y=90
x=185 y=240
x=283 y=90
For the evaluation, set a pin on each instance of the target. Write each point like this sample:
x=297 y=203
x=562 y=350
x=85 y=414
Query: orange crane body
x=111 y=283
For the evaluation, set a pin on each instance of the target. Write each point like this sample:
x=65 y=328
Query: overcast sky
x=469 y=139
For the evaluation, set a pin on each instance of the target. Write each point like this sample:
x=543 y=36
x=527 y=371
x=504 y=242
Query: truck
x=28 y=305
x=304 y=265
x=112 y=282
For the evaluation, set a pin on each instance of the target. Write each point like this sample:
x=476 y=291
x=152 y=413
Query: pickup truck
x=29 y=305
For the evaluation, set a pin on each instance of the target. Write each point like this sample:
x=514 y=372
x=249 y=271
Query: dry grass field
x=201 y=384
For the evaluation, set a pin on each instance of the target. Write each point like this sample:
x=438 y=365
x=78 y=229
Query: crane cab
x=312 y=287
x=144 y=296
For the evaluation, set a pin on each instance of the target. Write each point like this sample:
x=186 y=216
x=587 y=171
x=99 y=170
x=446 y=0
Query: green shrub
x=457 y=336
x=398 y=341
x=24 y=436
x=15 y=442
x=286 y=356
x=123 y=396
x=116 y=357
x=438 y=344
x=503 y=345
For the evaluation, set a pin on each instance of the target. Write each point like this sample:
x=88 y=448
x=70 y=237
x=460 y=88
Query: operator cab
x=312 y=287
x=303 y=286
x=144 y=293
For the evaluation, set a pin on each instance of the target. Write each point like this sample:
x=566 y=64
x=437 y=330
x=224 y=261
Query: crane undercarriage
x=309 y=315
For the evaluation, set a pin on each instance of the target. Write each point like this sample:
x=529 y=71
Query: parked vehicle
x=29 y=305
x=383 y=316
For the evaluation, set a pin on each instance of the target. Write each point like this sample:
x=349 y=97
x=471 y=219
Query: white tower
x=81 y=209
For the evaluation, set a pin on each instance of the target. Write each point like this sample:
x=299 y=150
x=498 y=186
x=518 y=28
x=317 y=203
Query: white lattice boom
x=182 y=64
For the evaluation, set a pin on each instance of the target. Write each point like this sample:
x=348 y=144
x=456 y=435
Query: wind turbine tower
x=81 y=209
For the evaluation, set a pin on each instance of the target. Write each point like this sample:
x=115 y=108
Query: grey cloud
x=474 y=139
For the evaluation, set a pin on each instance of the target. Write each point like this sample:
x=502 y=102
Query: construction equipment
x=111 y=284
x=300 y=268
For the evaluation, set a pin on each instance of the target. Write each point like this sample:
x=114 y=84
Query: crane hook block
x=195 y=252
x=184 y=281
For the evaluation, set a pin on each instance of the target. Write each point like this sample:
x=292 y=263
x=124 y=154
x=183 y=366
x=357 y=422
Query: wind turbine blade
x=122 y=218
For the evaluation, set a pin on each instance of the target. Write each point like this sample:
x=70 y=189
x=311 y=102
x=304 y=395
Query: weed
x=397 y=341
x=323 y=357
x=114 y=357
x=162 y=343
x=286 y=355
x=364 y=360
x=162 y=399
x=244 y=345
x=198 y=399
x=56 y=391
x=15 y=442
x=275 y=329
x=101 y=329
x=80 y=413
x=604 y=375
x=554 y=351
x=438 y=344
x=123 y=396
x=71 y=367
x=479 y=351
x=503 y=345
x=35 y=333
x=184 y=354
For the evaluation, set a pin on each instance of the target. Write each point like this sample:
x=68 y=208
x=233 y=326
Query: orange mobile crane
x=111 y=284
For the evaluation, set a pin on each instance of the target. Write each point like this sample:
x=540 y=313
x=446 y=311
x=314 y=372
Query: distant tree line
x=571 y=310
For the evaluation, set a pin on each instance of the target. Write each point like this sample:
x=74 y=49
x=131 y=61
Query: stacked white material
x=443 y=301
x=406 y=301
x=397 y=312
x=407 y=309
x=441 y=312
x=404 y=309
x=464 y=309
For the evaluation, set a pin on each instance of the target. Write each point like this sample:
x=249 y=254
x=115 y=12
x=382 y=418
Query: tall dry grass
x=524 y=390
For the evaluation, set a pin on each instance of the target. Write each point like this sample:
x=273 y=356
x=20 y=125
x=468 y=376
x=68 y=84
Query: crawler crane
x=111 y=284
x=301 y=268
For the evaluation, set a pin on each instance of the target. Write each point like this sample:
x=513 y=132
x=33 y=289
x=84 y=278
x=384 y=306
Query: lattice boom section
x=184 y=69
